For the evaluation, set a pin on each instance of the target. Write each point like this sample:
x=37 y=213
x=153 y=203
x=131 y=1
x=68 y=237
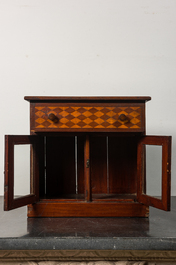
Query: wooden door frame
x=165 y=142
x=10 y=141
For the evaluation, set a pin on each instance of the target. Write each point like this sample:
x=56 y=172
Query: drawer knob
x=53 y=117
x=123 y=117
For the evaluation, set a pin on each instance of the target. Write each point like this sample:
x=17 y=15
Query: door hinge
x=88 y=163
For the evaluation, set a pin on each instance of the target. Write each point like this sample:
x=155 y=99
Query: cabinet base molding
x=87 y=209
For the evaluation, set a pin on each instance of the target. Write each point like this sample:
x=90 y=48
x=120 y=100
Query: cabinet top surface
x=86 y=99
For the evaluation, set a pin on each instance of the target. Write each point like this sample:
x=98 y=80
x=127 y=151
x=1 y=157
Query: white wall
x=88 y=47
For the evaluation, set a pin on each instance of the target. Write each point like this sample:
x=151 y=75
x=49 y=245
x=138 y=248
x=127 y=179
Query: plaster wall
x=88 y=48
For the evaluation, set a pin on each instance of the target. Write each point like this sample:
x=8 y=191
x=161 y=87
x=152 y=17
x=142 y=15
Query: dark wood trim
x=166 y=174
x=7 y=167
x=60 y=130
x=87 y=99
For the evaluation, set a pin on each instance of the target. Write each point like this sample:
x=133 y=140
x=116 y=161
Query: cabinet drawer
x=88 y=117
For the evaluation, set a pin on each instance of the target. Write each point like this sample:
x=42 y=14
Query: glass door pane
x=22 y=170
x=154 y=171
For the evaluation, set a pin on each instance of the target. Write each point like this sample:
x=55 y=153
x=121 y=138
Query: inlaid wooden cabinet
x=87 y=159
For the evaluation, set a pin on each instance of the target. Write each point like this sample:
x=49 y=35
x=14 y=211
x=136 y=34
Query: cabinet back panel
x=98 y=163
x=122 y=164
x=42 y=167
x=60 y=166
x=80 y=164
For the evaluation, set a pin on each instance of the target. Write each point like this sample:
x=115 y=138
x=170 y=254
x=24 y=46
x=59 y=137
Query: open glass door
x=21 y=160
x=147 y=147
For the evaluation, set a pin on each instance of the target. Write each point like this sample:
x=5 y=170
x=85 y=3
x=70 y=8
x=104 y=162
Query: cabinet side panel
x=122 y=157
x=32 y=117
x=60 y=166
x=98 y=162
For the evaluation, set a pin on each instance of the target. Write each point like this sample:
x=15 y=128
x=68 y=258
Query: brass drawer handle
x=123 y=118
x=53 y=117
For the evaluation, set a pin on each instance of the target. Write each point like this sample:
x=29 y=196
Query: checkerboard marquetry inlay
x=88 y=117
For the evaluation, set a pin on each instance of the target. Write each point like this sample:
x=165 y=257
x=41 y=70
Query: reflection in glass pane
x=154 y=170
x=21 y=170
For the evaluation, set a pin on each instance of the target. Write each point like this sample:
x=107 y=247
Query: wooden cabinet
x=88 y=159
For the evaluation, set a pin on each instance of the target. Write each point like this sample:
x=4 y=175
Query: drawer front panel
x=89 y=117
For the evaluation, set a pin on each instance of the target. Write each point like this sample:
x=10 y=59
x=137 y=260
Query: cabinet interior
x=113 y=168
